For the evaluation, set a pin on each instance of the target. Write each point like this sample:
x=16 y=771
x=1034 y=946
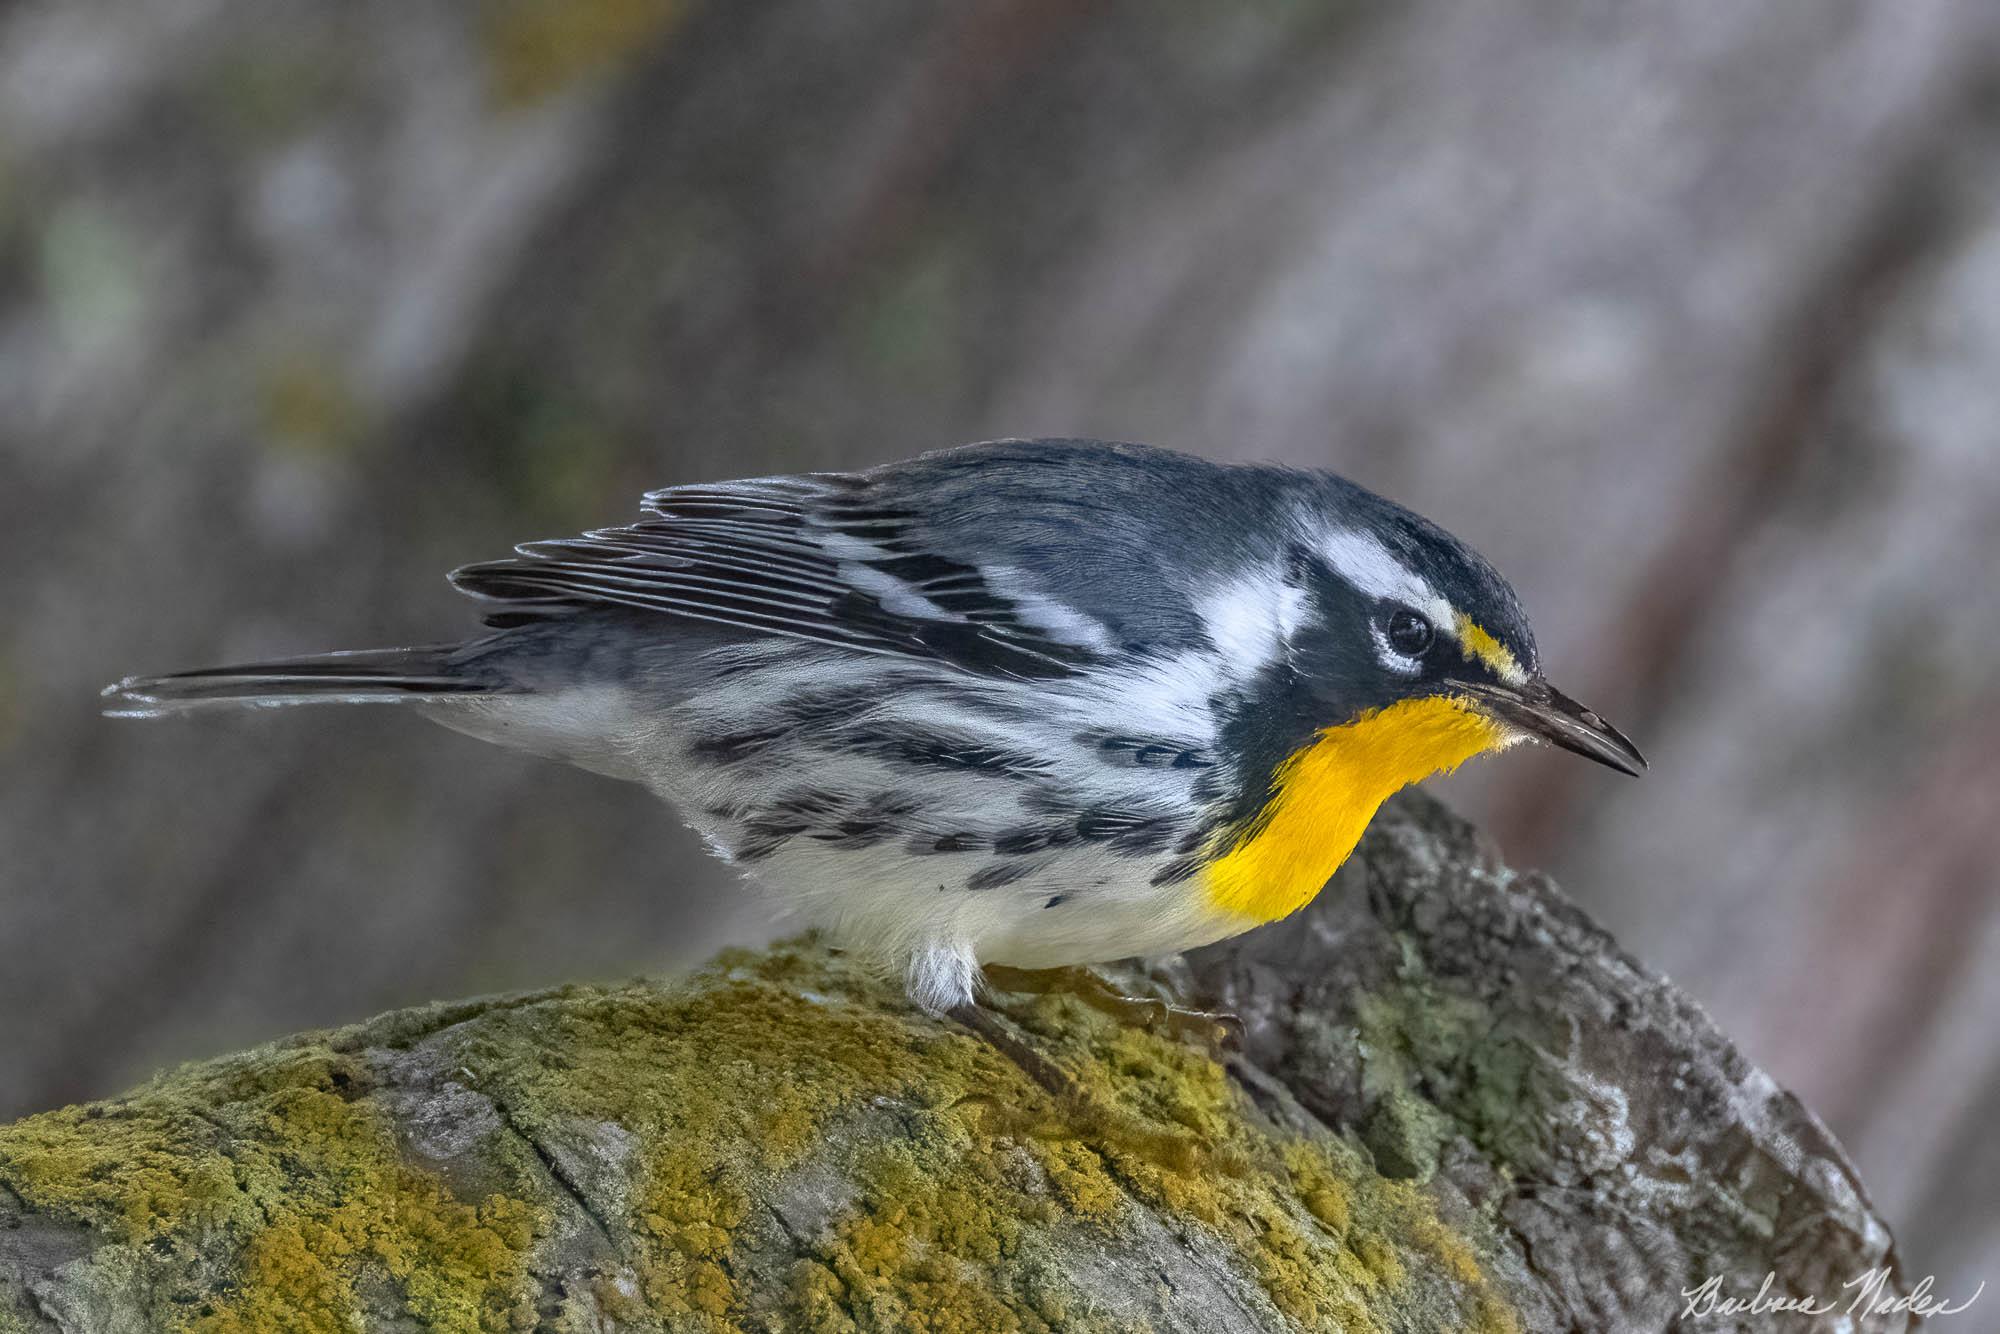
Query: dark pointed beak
x=1544 y=712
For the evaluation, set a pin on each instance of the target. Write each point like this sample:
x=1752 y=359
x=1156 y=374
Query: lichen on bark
x=782 y=1143
x=676 y=1129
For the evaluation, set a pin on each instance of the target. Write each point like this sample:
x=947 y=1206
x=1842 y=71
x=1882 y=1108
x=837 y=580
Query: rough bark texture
x=1460 y=1106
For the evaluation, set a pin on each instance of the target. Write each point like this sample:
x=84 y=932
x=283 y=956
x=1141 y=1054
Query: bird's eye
x=1410 y=634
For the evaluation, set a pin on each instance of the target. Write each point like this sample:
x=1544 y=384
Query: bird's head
x=1390 y=614
x=1380 y=650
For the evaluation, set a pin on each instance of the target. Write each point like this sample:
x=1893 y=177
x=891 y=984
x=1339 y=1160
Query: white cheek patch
x=1251 y=619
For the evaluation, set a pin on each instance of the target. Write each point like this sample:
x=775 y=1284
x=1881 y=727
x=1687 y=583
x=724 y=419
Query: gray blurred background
x=1687 y=315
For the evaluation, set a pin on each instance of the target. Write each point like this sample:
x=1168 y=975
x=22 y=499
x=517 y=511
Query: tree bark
x=1459 y=1106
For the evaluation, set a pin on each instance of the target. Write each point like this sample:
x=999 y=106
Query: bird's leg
x=1055 y=1081
x=1218 y=1031
x=1078 y=1114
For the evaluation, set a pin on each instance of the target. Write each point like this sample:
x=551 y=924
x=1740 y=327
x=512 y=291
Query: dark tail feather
x=370 y=676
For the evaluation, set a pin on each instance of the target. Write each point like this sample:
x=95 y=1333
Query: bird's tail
x=369 y=676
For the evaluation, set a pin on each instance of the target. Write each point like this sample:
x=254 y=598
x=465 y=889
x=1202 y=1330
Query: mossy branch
x=1460 y=1107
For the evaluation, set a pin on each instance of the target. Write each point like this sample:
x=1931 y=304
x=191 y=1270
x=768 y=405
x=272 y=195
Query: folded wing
x=824 y=557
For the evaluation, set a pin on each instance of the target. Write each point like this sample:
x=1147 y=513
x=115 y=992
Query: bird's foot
x=1218 y=1031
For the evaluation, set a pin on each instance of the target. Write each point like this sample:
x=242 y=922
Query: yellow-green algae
x=1332 y=1239
x=958 y=1221
x=277 y=1149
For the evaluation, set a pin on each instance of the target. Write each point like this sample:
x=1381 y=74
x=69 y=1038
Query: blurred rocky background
x=1689 y=316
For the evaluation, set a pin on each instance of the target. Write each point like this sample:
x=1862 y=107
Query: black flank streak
x=890 y=805
x=1017 y=842
x=854 y=834
x=997 y=874
x=1125 y=831
x=971 y=702
x=812 y=803
x=735 y=747
x=1108 y=822
x=1050 y=802
x=948 y=843
x=836 y=707
x=1056 y=901
x=929 y=750
x=826 y=818
x=1176 y=871
x=1149 y=754
x=764 y=836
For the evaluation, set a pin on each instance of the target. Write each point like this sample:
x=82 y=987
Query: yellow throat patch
x=1325 y=794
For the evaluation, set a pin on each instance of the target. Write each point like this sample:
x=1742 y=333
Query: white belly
x=1077 y=908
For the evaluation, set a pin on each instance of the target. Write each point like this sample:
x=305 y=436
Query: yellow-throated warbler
x=1031 y=702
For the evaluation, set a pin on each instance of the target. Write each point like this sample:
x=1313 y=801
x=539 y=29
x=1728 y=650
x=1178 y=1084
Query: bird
x=1027 y=704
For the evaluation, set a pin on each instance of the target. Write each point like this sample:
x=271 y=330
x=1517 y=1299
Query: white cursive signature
x=1868 y=1295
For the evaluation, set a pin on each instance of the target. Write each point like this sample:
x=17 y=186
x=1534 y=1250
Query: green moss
x=918 y=1252
x=1331 y=1240
x=270 y=1151
x=728 y=1083
x=964 y=1194
x=738 y=1078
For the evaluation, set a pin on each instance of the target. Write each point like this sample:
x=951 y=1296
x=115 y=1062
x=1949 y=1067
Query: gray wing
x=999 y=560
